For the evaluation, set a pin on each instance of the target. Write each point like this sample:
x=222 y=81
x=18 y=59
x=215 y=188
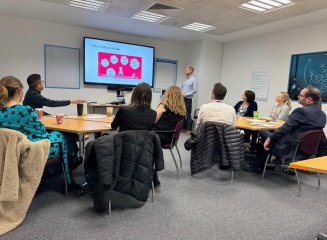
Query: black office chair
x=307 y=145
x=60 y=162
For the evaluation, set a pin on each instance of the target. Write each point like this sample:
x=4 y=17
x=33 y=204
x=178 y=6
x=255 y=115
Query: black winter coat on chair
x=216 y=144
x=122 y=165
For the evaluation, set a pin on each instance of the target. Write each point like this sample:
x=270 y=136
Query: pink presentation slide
x=119 y=66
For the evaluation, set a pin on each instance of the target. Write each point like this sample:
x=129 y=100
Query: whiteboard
x=260 y=84
x=62 y=67
x=165 y=74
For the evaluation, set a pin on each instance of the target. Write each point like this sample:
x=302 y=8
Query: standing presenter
x=189 y=90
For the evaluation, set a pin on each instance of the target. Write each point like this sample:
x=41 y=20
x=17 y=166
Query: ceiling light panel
x=264 y=6
x=199 y=27
x=94 y=5
x=150 y=17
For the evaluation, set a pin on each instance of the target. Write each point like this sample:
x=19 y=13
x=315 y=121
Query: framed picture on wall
x=308 y=69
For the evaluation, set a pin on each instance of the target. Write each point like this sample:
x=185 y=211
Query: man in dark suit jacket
x=308 y=117
x=34 y=99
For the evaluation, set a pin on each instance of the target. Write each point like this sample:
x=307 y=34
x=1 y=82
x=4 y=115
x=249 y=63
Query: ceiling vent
x=163 y=9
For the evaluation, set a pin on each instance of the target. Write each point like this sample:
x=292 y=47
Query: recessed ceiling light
x=150 y=17
x=94 y=5
x=199 y=27
x=264 y=6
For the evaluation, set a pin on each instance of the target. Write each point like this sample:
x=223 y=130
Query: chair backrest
x=178 y=129
x=310 y=141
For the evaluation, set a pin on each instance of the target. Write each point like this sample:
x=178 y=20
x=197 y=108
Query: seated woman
x=138 y=115
x=24 y=119
x=170 y=111
x=246 y=108
x=281 y=110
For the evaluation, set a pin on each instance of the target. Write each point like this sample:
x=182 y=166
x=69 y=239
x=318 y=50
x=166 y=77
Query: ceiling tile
x=259 y=19
x=226 y=18
x=230 y=28
x=209 y=7
x=314 y=4
x=193 y=15
x=121 y=11
x=138 y=4
x=179 y=3
x=176 y=22
x=63 y=2
x=234 y=3
x=288 y=12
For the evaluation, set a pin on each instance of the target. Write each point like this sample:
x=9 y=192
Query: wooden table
x=249 y=123
x=318 y=165
x=92 y=117
x=78 y=126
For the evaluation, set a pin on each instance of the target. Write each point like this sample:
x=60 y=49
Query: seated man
x=217 y=110
x=34 y=99
x=308 y=117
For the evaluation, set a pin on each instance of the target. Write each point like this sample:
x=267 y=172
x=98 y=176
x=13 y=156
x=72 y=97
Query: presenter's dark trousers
x=188 y=118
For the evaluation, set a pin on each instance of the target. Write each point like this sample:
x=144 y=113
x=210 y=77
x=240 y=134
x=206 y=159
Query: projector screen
x=117 y=64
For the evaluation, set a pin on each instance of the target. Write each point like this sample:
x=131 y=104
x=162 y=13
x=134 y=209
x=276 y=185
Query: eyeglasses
x=302 y=95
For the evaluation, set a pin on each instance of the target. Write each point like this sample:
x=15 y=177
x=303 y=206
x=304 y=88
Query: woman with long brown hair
x=138 y=115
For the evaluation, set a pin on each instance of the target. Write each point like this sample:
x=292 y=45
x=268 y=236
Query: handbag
x=190 y=143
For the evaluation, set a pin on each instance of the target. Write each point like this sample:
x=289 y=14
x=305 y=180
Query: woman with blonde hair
x=282 y=109
x=24 y=119
x=170 y=111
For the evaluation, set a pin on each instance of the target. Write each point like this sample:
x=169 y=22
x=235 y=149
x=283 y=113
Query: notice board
x=62 y=67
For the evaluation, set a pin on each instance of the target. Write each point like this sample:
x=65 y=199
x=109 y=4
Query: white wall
x=270 y=53
x=22 y=53
x=206 y=57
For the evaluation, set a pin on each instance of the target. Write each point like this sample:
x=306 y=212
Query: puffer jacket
x=217 y=143
x=123 y=163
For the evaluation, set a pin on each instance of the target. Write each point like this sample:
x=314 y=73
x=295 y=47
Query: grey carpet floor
x=205 y=207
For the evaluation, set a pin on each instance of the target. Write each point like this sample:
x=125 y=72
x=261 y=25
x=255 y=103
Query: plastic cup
x=109 y=111
x=39 y=112
x=79 y=109
x=255 y=114
x=60 y=118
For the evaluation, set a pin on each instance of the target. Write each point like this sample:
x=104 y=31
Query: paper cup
x=39 y=112
x=60 y=118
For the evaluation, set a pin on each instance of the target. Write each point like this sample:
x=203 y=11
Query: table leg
x=81 y=144
x=298 y=183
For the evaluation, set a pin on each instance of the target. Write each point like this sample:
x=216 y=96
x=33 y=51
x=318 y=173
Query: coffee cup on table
x=256 y=114
x=80 y=109
x=39 y=112
x=60 y=118
x=109 y=111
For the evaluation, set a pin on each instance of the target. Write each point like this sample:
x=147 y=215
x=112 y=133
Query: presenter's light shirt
x=189 y=87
